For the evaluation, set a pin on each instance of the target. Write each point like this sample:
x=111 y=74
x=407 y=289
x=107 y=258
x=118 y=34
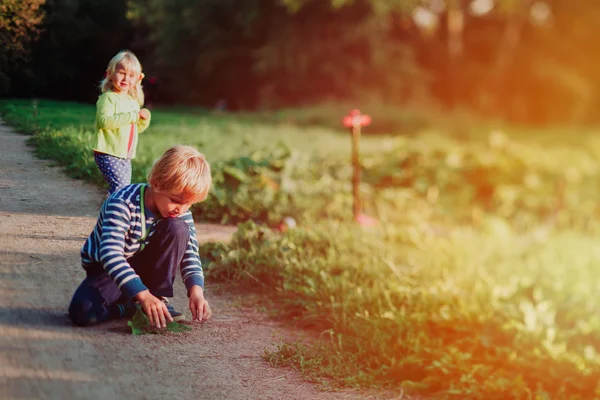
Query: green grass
x=479 y=283
x=219 y=136
x=472 y=314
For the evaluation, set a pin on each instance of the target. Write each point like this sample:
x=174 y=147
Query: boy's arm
x=116 y=221
x=191 y=267
x=106 y=117
x=143 y=124
x=193 y=277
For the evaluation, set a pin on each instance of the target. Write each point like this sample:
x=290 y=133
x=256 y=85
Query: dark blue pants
x=99 y=299
x=116 y=171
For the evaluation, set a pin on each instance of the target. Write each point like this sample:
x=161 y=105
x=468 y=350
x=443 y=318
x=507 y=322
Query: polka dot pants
x=116 y=171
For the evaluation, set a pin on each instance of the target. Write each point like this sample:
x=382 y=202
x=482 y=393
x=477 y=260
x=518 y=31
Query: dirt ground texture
x=44 y=219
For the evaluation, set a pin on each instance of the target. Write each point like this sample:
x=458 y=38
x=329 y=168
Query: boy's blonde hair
x=130 y=62
x=182 y=171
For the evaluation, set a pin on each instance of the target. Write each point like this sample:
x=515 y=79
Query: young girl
x=119 y=119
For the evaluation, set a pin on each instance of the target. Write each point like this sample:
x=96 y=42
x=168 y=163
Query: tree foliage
x=19 y=22
x=19 y=26
x=529 y=61
x=77 y=41
x=266 y=53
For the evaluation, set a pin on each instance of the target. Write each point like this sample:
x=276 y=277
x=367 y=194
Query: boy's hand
x=198 y=305
x=144 y=113
x=154 y=308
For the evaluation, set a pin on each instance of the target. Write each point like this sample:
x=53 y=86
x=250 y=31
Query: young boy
x=144 y=231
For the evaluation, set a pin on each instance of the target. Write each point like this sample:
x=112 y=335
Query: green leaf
x=178 y=327
x=140 y=325
x=135 y=330
x=235 y=173
x=139 y=322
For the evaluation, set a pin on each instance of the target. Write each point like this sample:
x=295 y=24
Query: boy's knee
x=82 y=313
x=175 y=227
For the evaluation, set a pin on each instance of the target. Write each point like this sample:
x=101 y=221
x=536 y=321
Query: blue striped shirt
x=122 y=230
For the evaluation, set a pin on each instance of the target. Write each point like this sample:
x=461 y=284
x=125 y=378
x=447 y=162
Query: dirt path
x=44 y=219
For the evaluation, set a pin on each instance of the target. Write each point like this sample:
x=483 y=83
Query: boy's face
x=169 y=205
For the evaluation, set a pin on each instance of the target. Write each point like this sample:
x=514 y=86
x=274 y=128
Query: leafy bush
x=267 y=186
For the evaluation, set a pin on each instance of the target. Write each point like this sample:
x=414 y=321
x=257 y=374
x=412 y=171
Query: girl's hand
x=198 y=305
x=144 y=113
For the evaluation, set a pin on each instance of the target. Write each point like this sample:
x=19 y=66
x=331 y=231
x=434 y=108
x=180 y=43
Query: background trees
x=527 y=61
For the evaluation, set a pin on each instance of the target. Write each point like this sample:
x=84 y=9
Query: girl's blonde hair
x=182 y=171
x=129 y=61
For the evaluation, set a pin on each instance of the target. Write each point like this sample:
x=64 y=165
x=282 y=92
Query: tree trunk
x=455 y=27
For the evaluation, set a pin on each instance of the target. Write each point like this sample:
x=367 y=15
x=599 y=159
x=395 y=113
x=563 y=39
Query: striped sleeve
x=116 y=221
x=191 y=267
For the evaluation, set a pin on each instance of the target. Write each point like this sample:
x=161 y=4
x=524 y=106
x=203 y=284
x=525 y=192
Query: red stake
x=355 y=121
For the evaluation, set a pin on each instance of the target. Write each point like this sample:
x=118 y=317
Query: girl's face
x=170 y=206
x=123 y=79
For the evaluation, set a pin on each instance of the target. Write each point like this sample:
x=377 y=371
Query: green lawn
x=219 y=136
x=479 y=283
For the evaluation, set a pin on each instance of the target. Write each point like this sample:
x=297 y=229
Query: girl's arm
x=191 y=266
x=106 y=117
x=144 y=123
